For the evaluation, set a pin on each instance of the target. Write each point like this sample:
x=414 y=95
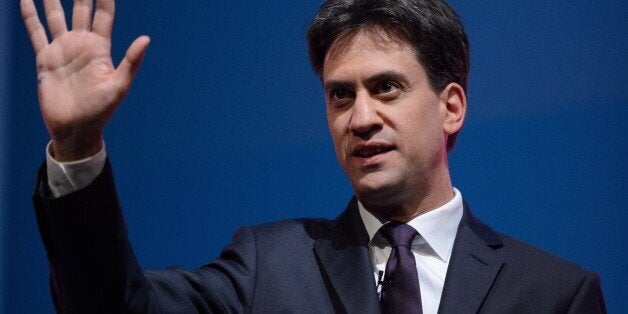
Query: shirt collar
x=437 y=227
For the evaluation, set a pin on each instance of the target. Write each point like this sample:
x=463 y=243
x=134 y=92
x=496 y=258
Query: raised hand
x=79 y=87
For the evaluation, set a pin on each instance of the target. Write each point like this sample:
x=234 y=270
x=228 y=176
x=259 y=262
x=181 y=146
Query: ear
x=455 y=108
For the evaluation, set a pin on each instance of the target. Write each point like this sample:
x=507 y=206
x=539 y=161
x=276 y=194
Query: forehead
x=368 y=51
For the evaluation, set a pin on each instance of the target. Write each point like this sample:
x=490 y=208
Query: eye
x=340 y=97
x=386 y=87
x=339 y=93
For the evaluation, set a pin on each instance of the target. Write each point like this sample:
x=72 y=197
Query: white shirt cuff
x=67 y=177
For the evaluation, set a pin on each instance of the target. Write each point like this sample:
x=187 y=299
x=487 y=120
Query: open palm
x=79 y=87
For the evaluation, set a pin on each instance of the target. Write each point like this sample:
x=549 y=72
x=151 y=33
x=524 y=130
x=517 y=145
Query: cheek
x=337 y=131
x=337 y=124
x=420 y=130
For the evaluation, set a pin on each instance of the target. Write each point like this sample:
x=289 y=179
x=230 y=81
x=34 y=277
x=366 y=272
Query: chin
x=376 y=188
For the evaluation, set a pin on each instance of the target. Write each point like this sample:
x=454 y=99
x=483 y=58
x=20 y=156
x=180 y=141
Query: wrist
x=72 y=149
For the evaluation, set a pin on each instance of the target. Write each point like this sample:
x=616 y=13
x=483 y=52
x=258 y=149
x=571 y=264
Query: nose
x=365 y=118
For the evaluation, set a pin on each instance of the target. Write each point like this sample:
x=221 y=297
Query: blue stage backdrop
x=225 y=126
x=5 y=74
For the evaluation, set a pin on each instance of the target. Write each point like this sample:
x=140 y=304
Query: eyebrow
x=387 y=76
x=383 y=76
x=337 y=84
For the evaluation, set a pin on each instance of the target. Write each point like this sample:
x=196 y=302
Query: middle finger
x=82 y=15
x=55 y=17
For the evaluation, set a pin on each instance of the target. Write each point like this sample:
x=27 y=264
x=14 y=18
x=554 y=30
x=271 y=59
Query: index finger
x=55 y=18
x=35 y=29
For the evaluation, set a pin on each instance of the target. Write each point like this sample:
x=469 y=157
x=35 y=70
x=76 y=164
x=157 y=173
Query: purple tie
x=401 y=292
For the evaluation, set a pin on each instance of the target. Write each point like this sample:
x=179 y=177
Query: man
x=394 y=75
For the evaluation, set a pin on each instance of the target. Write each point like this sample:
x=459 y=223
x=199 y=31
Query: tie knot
x=398 y=233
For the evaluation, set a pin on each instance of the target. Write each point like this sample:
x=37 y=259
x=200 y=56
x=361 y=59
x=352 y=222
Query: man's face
x=385 y=119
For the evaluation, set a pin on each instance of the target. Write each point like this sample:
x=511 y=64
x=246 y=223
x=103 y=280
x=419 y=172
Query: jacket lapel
x=474 y=266
x=344 y=258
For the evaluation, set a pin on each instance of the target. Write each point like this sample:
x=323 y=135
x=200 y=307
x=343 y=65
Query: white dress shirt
x=432 y=248
x=67 y=177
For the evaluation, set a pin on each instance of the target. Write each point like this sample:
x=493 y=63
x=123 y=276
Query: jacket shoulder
x=529 y=257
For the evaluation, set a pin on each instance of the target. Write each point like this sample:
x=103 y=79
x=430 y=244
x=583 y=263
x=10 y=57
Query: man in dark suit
x=394 y=74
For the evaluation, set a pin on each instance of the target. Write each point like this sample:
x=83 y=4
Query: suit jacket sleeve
x=94 y=270
x=588 y=298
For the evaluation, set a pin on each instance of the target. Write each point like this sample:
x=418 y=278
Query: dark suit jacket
x=295 y=266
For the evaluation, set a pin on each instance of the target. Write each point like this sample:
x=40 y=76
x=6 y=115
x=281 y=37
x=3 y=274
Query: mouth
x=368 y=150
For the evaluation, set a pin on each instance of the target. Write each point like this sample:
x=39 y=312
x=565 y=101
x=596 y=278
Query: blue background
x=225 y=126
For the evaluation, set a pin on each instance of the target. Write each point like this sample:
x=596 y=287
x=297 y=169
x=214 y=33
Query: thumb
x=132 y=60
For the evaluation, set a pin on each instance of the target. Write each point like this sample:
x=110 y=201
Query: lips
x=368 y=150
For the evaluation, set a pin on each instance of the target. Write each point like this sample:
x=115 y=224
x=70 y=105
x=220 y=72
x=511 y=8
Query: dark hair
x=432 y=27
